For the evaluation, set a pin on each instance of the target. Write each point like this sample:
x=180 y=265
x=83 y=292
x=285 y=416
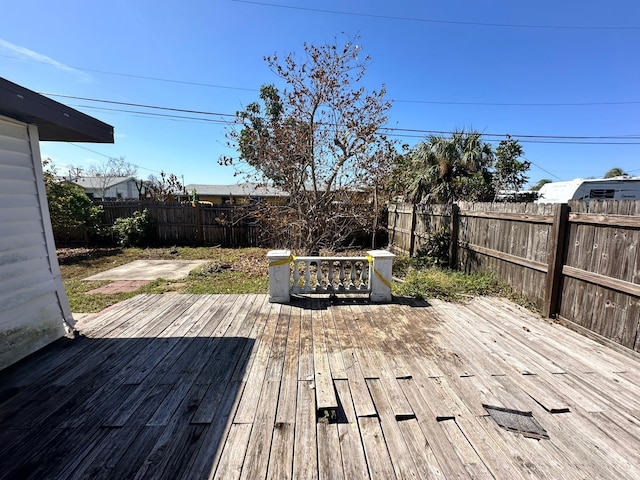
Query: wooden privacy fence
x=578 y=262
x=185 y=223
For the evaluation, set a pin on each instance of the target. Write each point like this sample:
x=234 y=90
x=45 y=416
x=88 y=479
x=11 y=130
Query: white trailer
x=617 y=188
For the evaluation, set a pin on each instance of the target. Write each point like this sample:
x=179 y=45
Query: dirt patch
x=120 y=286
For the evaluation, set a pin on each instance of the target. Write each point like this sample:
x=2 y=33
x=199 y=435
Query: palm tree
x=540 y=183
x=615 y=172
x=447 y=169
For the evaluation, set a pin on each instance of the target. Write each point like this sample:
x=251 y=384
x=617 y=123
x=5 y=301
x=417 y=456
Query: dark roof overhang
x=55 y=121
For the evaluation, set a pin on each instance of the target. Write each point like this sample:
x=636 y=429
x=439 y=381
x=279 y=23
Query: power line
x=141 y=105
x=110 y=157
x=410 y=101
x=507 y=104
x=444 y=22
x=152 y=114
x=548 y=138
x=142 y=77
x=544 y=170
x=444 y=132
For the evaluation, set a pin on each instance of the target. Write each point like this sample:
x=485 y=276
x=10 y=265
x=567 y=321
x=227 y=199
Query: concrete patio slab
x=149 y=270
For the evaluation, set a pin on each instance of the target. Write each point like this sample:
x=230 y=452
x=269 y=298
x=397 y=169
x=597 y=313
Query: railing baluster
x=307 y=277
x=296 y=276
x=352 y=276
x=342 y=276
x=365 y=276
x=319 y=276
x=330 y=276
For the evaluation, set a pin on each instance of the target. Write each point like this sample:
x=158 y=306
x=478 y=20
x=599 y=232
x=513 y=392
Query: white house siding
x=33 y=304
x=121 y=191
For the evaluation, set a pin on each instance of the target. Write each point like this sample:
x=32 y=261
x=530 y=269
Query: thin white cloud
x=27 y=54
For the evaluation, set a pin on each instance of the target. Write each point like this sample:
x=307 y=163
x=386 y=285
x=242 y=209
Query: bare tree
x=319 y=140
x=104 y=173
x=165 y=187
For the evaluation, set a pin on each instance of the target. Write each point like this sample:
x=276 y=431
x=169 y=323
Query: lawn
x=229 y=271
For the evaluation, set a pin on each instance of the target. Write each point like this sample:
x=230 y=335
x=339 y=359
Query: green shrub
x=72 y=213
x=134 y=231
x=435 y=251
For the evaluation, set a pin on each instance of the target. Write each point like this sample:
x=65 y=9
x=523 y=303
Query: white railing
x=330 y=275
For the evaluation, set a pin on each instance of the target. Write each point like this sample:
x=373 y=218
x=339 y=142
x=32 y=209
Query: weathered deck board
x=326 y=401
x=354 y=464
x=189 y=386
x=305 y=453
x=363 y=404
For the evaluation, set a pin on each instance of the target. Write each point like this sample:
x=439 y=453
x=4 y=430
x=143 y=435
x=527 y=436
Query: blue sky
x=446 y=65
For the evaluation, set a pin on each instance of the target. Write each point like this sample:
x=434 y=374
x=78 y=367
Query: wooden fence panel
x=601 y=281
x=429 y=220
x=508 y=239
x=401 y=227
x=183 y=223
x=411 y=226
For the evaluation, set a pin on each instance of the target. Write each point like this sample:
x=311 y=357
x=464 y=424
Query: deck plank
x=281 y=456
x=329 y=461
x=354 y=463
x=376 y=350
x=232 y=458
x=378 y=458
x=326 y=400
x=255 y=376
x=305 y=458
x=422 y=401
x=362 y=401
x=403 y=464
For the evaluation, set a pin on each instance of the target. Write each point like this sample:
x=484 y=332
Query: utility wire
x=445 y=22
x=410 y=101
x=507 y=104
x=141 y=105
x=142 y=77
x=620 y=137
x=392 y=129
x=544 y=170
x=153 y=114
x=111 y=158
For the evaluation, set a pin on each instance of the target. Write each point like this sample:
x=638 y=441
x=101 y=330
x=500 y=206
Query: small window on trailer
x=602 y=193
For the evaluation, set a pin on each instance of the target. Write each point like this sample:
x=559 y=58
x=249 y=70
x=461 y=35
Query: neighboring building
x=34 y=310
x=108 y=188
x=617 y=188
x=238 y=194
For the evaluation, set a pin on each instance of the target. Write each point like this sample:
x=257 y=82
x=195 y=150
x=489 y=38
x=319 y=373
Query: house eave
x=55 y=121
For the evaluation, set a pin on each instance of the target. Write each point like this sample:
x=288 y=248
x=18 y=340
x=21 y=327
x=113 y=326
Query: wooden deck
x=198 y=386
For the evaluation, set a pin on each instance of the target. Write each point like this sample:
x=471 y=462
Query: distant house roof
x=236 y=190
x=55 y=121
x=99 y=182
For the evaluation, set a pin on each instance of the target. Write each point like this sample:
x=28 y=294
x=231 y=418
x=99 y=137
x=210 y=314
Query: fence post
x=382 y=269
x=279 y=276
x=555 y=258
x=412 y=234
x=453 y=234
x=199 y=232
